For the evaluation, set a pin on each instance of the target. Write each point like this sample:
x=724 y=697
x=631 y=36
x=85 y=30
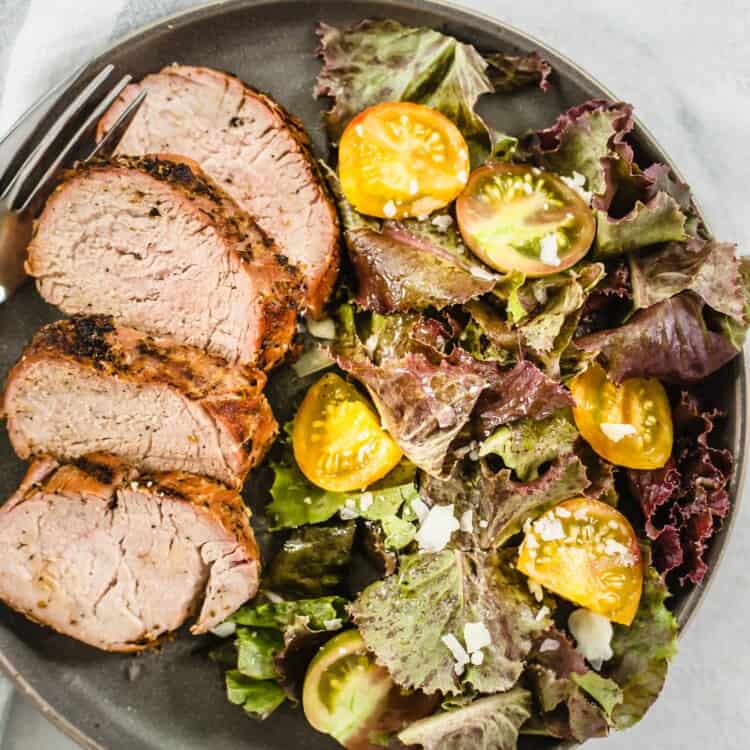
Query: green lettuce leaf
x=710 y=269
x=604 y=691
x=642 y=652
x=260 y=698
x=379 y=61
x=295 y=501
x=647 y=223
x=561 y=682
x=488 y=336
x=403 y=618
x=511 y=72
x=735 y=330
x=312 y=561
x=527 y=444
x=256 y=652
x=490 y=723
x=500 y=505
x=547 y=312
x=634 y=208
x=409 y=265
x=669 y=341
x=313 y=613
x=271 y=648
x=580 y=138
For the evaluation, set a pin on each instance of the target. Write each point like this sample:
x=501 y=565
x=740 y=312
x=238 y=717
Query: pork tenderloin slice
x=86 y=385
x=155 y=243
x=117 y=560
x=253 y=148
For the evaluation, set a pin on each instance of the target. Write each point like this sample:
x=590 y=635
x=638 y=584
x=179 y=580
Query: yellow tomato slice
x=586 y=551
x=347 y=695
x=520 y=218
x=337 y=439
x=400 y=159
x=629 y=424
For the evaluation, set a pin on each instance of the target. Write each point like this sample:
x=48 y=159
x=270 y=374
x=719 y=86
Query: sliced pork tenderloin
x=158 y=245
x=253 y=148
x=116 y=559
x=86 y=385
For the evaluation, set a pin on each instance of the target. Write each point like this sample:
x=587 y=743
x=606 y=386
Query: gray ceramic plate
x=174 y=699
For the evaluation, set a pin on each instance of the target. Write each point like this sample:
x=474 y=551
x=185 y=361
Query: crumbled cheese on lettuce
x=467 y=521
x=577 y=182
x=437 y=528
x=476 y=636
x=322 y=329
x=442 y=222
x=458 y=651
x=224 y=629
x=593 y=634
x=420 y=509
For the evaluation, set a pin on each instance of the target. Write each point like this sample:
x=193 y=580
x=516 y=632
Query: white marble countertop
x=685 y=66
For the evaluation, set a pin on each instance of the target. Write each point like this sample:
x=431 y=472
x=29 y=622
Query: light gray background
x=685 y=64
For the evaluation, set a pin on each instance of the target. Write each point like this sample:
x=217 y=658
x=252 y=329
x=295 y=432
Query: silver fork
x=22 y=196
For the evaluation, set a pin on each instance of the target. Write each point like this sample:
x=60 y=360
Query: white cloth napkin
x=56 y=36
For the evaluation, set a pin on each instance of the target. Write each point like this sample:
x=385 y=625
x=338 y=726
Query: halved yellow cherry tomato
x=337 y=439
x=400 y=159
x=629 y=424
x=520 y=218
x=350 y=697
x=587 y=552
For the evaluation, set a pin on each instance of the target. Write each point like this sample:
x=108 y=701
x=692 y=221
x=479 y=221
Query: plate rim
x=695 y=598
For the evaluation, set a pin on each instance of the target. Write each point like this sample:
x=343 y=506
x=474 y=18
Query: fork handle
x=15 y=235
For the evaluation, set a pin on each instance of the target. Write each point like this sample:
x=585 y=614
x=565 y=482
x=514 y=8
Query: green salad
x=502 y=459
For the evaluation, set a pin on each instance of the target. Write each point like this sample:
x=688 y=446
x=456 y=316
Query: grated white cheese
x=371 y=343
x=273 y=597
x=542 y=613
x=437 y=528
x=333 y=624
x=365 y=501
x=476 y=636
x=577 y=182
x=312 y=361
x=420 y=509
x=349 y=511
x=224 y=629
x=483 y=524
x=442 y=222
x=467 y=521
x=325 y=328
x=561 y=512
x=457 y=650
x=549 y=644
x=616 y=431
x=593 y=634
x=389 y=209
x=548 y=254
x=535 y=588
x=477 y=658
